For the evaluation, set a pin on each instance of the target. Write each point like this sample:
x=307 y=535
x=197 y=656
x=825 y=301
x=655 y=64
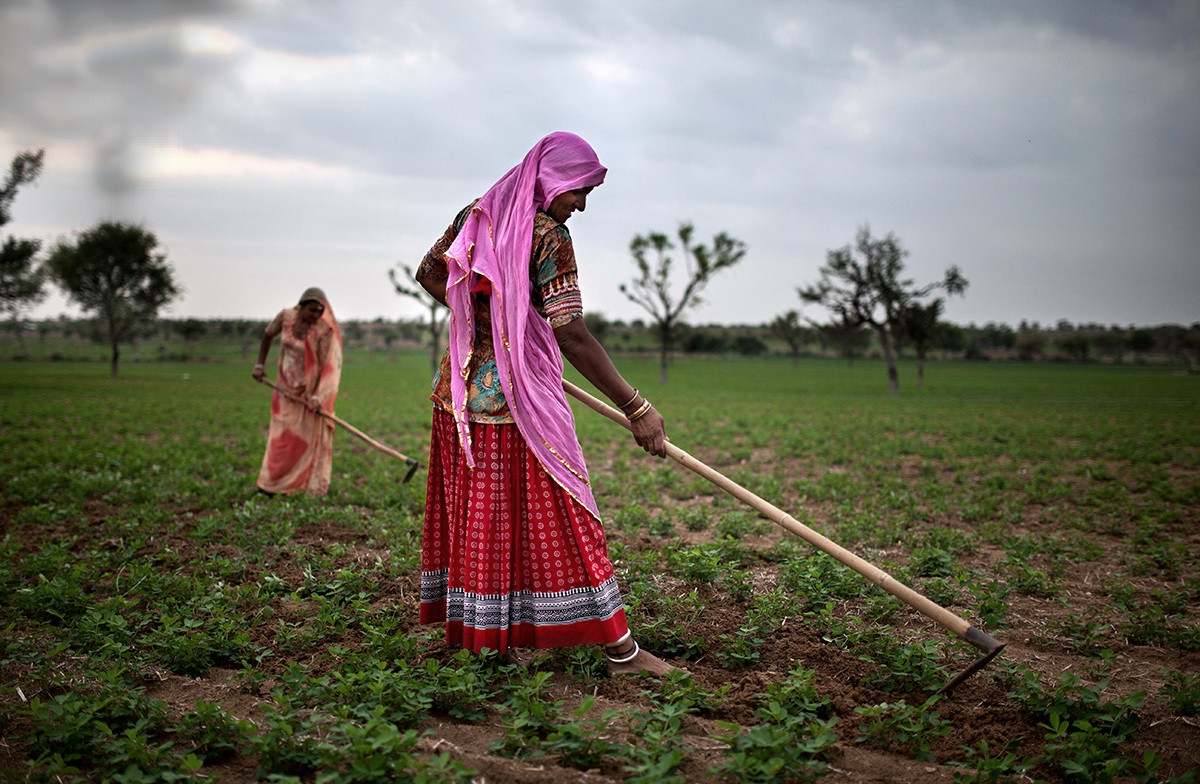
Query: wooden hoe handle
x=413 y=464
x=921 y=604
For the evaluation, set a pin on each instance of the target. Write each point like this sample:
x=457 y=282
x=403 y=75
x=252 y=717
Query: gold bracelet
x=643 y=409
x=630 y=400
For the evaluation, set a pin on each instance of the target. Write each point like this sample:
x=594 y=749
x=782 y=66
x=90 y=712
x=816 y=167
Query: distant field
x=1056 y=506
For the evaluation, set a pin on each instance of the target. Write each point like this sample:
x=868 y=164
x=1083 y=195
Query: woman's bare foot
x=643 y=662
x=519 y=657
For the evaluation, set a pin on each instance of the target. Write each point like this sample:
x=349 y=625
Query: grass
x=1049 y=504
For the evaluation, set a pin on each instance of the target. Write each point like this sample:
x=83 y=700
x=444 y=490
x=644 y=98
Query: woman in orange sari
x=299 y=457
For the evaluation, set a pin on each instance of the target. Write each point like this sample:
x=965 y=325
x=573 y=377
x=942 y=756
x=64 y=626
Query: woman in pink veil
x=514 y=552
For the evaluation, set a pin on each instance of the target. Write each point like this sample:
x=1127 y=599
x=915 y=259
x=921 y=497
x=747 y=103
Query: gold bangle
x=630 y=400
x=643 y=409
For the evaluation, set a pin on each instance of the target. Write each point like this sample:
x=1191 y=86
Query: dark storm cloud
x=101 y=71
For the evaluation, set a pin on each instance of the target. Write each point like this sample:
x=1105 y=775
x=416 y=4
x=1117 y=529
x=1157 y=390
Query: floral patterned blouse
x=556 y=297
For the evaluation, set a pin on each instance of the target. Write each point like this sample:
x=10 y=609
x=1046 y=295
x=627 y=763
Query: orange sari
x=299 y=456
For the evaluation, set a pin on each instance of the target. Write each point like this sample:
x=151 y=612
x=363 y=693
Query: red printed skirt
x=508 y=558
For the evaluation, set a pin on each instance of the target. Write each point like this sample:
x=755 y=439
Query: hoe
x=413 y=464
x=936 y=612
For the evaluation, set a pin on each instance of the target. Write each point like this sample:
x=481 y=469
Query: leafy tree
x=597 y=324
x=247 y=333
x=113 y=271
x=1191 y=348
x=993 y=335
x=996 y=335
x=24 y=169
x=1171 y=339
x=22 y=283
x=1075 y=345
x=1030 y=344
x=949 y=337
x=437 y=311
x=652 y=288
x=1141 y=341
x=870 y=291
x=787 y=327
x=749 y=346
x=1109 y=343
x=702 y=340
x=190 y=330
x=353 y=332
x=389 y=335
x=850 y=341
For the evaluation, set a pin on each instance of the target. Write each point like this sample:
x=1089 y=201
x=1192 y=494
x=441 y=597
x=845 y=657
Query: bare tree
x=652 y=288
x=919 y=326
x=869 y=290
x=437 y=311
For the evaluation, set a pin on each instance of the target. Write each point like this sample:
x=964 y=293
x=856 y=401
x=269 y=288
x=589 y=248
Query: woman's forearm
x=264 y=348
x=586 y=355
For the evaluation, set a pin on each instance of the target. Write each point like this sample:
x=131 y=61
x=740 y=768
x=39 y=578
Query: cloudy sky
x=1050 y=148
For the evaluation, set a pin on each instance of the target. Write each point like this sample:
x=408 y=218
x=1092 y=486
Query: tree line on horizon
x=63 y=338
x=114 y=273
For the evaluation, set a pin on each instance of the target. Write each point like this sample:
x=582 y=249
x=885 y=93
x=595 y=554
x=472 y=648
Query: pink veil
x=495 y=244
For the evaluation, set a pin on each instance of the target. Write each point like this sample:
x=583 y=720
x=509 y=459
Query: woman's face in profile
x=567 y=203
x=311 y=311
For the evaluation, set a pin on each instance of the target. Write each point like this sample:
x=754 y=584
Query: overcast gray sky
x=1050 y=148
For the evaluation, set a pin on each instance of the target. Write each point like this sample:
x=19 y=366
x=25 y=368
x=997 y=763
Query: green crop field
x=162 y=621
